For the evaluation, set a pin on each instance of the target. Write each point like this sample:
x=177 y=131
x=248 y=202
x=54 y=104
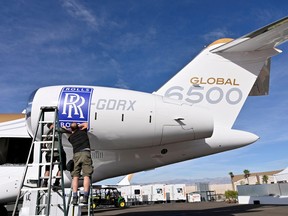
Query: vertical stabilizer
x=221 y=77
x=126 y=180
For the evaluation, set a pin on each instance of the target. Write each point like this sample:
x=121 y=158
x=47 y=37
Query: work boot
x=85 y=200
x=74 y=201
x=45 y=183
x=56 y=184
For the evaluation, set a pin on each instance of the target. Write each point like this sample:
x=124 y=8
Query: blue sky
x=139 y=45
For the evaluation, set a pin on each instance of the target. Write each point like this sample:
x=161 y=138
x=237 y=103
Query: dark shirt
x=60 y=131
x=79 y=140
x=50 y=138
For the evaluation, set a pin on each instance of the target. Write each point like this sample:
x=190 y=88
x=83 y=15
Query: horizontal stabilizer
x=267 y=37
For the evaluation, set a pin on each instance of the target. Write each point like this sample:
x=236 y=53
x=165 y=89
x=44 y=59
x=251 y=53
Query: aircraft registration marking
x=113 y=104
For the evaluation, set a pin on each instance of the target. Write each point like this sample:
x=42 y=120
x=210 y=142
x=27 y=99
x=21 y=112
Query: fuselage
x=132 y=131
x=129 y=132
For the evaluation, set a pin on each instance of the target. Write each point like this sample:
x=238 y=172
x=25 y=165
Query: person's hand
x=83 y=126
x=65 y=128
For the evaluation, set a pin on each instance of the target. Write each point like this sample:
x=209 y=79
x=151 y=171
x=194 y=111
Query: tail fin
x=221 y=77
x=126 y=180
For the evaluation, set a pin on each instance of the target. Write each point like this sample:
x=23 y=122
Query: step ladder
x=39 y=143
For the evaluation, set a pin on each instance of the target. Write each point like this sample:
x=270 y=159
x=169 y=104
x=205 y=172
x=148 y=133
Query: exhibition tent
x=281 y=176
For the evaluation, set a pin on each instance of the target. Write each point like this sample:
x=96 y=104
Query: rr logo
x=74 y=105
x=73 y=102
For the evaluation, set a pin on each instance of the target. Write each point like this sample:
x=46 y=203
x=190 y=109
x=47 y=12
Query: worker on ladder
x=82 y=160
x=55 y=156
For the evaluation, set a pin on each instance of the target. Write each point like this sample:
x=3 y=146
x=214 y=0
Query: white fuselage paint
x=133 y=131
x=129 y=131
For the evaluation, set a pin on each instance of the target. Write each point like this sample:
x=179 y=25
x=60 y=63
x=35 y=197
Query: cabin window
x=137 y=192
x=159 y=190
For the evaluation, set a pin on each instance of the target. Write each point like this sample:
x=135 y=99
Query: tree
x=246 y=175
x=265 y=179
x=232 y=182
x=231 y=196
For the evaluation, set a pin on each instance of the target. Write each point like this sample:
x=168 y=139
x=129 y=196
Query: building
x=254 y=178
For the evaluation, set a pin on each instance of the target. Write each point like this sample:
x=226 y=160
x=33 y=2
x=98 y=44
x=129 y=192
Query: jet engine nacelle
x=120 y=119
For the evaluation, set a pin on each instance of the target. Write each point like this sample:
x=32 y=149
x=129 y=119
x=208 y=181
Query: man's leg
x=75 y=173
x=75 y=190
x=59 y=173
x=86 y=185
x=57 y=181
x=47 y=171
x=87 y=170
x=75 y=184
x=45 y=182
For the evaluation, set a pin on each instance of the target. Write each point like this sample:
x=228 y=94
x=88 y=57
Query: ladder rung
x=53 y=177
x=48 y=150
x=43 y=205
x=40 y=142
x=42 y=164
x=45 y=122
x=34 y=189
x=49 y=109
x=38 y=164
x=45 y=135
x=82 y=204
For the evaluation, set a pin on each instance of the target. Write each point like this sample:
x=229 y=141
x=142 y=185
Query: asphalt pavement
x=193 y=209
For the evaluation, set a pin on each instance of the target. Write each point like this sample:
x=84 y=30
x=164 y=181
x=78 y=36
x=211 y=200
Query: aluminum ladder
x=40 y=139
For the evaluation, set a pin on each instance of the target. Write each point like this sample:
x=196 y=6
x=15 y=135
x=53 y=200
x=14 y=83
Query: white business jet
x=190 y=116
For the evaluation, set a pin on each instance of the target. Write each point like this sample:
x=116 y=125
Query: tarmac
x=192 y=209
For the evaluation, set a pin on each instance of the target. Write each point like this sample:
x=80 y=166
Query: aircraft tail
x=126 y=180
x=222 y=76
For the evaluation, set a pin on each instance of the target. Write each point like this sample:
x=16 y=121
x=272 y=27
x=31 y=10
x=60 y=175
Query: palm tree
x=246 y=175
x=232 y=182
x=265 y=179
